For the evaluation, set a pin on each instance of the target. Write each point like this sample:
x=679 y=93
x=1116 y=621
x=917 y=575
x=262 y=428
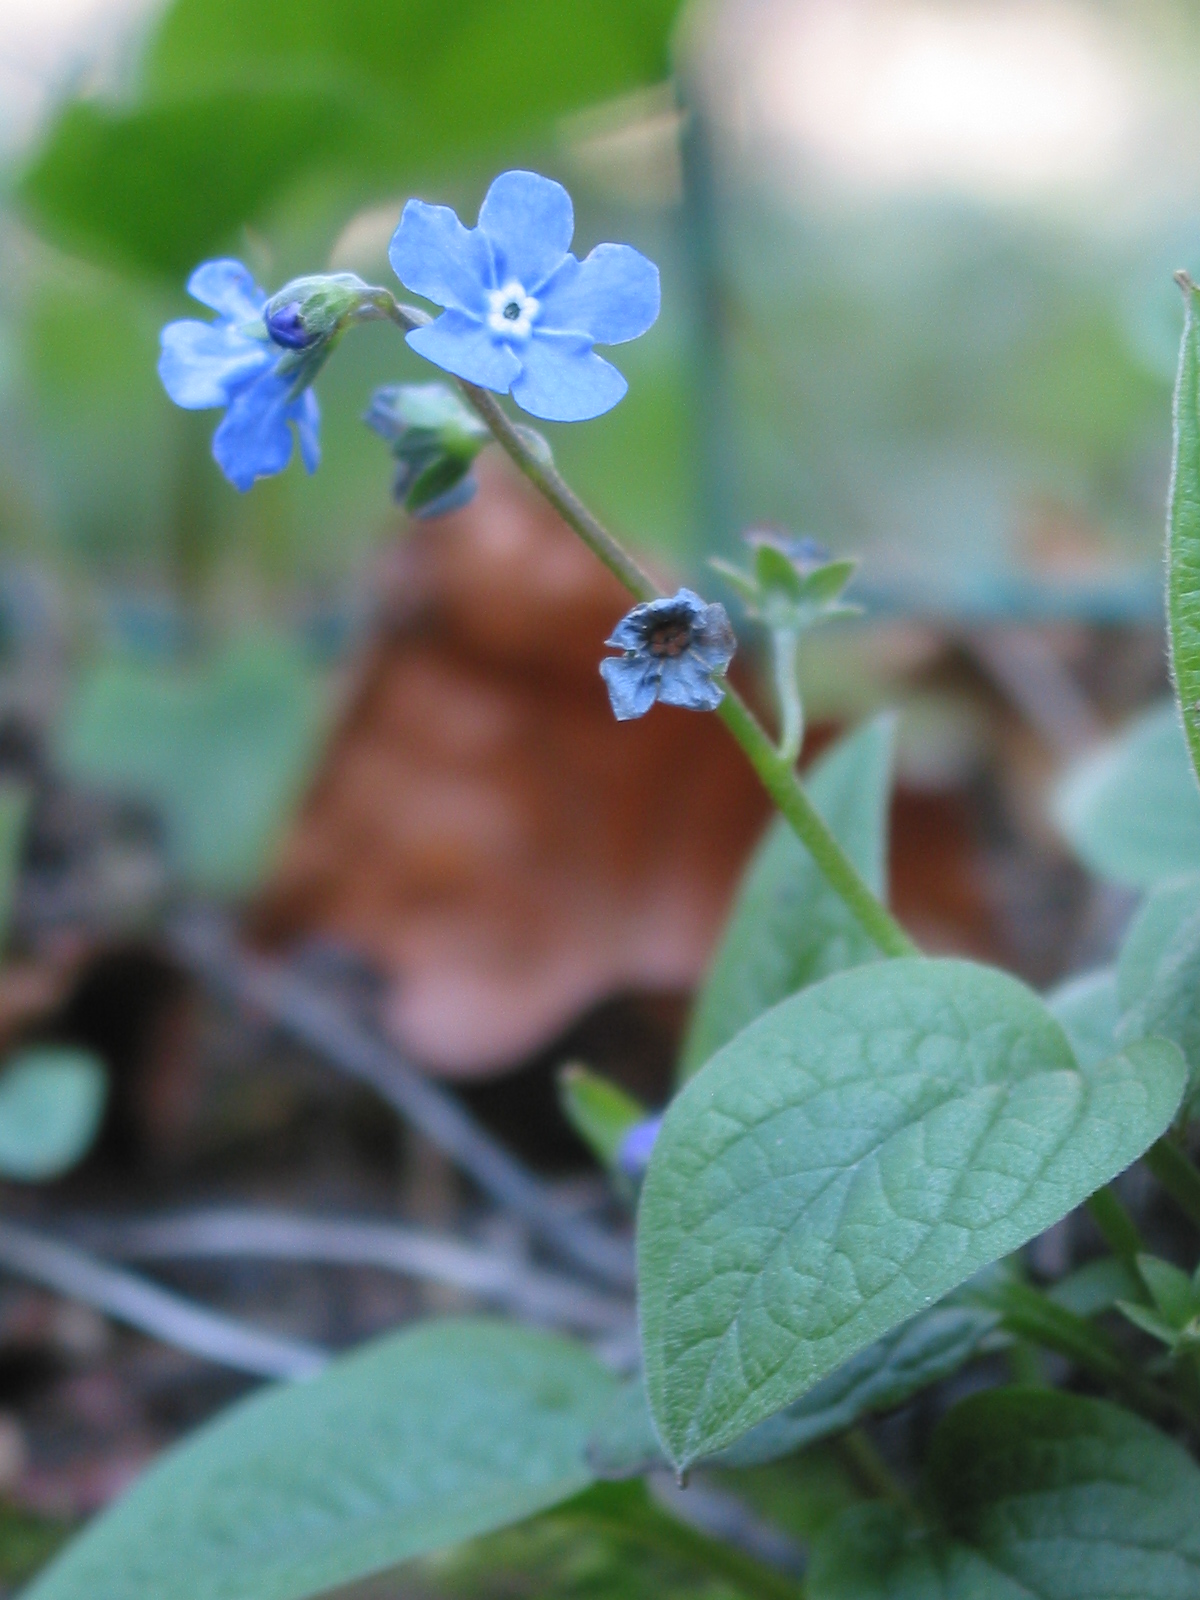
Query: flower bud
x=312 y=311
x=435 y=438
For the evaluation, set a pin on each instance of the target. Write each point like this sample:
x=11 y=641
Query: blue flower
x=234 y=362
x=522 y=313
x=675 y=649
x=633 y=1157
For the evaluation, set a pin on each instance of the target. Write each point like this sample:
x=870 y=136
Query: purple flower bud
x=286 y=326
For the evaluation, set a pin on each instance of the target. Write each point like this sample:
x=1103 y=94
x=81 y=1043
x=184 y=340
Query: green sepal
x=600 y=1112
x=785 y=596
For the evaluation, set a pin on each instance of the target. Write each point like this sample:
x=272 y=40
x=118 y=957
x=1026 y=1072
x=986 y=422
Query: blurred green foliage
x=223 y=748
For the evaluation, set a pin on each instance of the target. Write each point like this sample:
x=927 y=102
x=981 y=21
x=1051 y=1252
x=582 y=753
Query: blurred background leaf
x=222 y=750
x=51 y=1102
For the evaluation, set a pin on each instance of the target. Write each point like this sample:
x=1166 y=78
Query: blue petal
x=632 y=683
x=563 y=381
x=434 y=255
x=254 y=439
x=713 y=640
x=612 y=296
x=637 y=1146
x=687 y=682
x=528 y=221
x=630 y=632
x=228 y=287
x=202 y=363
x=459 y=344
x=306 y=414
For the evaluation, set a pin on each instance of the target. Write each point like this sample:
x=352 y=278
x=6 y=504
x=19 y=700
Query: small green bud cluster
x=793 y=583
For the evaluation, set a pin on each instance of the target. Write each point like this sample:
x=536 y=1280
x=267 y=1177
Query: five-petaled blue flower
x=675 y=650
x=233 y=362
x=522 y=313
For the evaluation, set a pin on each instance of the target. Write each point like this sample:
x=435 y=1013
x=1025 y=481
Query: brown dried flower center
x=670 y=638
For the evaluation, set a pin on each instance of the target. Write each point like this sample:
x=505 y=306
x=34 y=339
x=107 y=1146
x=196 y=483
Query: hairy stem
x=784 y=651
x=773 y=766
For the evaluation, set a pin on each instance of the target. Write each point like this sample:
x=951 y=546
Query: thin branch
x=206 y=947
x=414 y=1253
x=165 y=1316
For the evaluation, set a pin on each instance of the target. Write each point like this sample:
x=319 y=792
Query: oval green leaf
x=1131 y=811
x=51 y=1102
x=851 y=1157
x=788 y=927
x=421 y=1440
x=1038 y=1494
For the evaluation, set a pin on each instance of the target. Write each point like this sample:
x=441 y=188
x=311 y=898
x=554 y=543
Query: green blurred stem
x=773 y=766
x=1118 y=1227
x=1178 y=1176
x=785 y=648
x=872 y=1470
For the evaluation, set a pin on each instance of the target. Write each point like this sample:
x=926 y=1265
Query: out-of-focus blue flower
x=675 y=651
x=522 y=313
x=634 y=1155
x=234 y=362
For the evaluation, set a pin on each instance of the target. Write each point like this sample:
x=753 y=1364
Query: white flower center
x=511 y=311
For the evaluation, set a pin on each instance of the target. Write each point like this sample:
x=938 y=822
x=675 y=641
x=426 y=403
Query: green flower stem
x=1177 y=1175
x=872 y=1471
x=785 y=789
x=785 y=646
x=773 y=766
x=1118 y=1227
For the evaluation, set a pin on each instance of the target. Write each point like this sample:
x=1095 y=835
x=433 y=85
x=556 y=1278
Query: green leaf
x=51 y=1102
x=600 y=1111
x=1158 y=974
x=159 y=187
x=913 y=1356
x=1094 y=1287
x=788 y=928
x=241 y=103
x=440 y=1433
x=223 y=750
x=1088 y=1009
x=1037 y=1494
x=910 y=1358
x=1171 y=1289
x=1131 y=811
x=851 y=1157
x=1183 y=532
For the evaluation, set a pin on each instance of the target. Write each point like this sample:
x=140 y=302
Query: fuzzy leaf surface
x=850 y=1158
x=421 y=1440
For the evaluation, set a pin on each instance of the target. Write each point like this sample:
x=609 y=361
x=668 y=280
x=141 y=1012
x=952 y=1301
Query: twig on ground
x=206 y=946
x=165 y=1316
x=280 y=1236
